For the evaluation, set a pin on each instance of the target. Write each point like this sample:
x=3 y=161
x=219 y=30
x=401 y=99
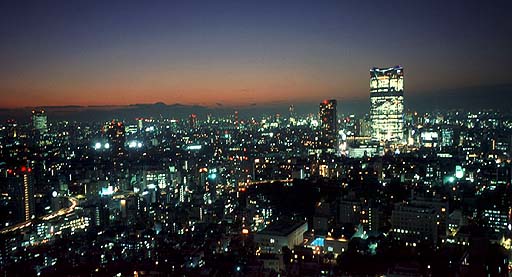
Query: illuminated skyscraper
x=328 y=124
x=12 y=128
x=116 y=136
x=387 y=103
x=192 y=121
x=235 y=121
x=292 y=119
x=140 y=124
x=39 y=121
x=21 y=186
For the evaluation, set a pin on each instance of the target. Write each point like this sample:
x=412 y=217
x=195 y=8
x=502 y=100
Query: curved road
x=61 y=212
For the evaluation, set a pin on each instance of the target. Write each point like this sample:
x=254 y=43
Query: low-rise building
x=279 y=234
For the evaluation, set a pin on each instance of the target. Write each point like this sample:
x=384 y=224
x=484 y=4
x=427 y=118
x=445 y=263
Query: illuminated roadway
x=61 y=212
x=268 y=182
x=74 y=203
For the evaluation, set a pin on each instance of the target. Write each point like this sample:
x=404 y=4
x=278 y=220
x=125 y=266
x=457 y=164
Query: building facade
x=328 y=123
x=115 y=133
x=280 y=234
x=20 y=182
x=39 y=121
x=413 y=224
x=387 y=103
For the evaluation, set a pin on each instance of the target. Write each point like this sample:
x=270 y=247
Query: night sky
x=235 y=53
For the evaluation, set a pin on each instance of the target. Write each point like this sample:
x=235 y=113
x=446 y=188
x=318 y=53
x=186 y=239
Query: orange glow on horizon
x=208 y=85
x=205 y=97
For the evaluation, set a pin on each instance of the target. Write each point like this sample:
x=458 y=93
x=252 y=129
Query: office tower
x=192 y=121
x=12 y=129
x=387 y=103
x=235 y=121
x=116 y=136
x=10 y=132
x=140 y=124
x=20 y=182
x=364 y=127
x=328 y=123
x=447 y=136
x=414 y=224
x=293 y=117
x=39 y=121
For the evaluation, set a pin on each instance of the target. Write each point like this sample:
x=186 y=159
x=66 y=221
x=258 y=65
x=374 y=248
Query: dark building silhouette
x=328 y=123
x=20 y=183
x=116 y=136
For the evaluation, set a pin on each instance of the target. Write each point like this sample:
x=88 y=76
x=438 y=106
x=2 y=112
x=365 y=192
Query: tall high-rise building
x=140 y=124
x=387 y=103
x=292 y=116
x=192 y=121
x=39 y=121
x=115 y=133
x=328 y=123
x=12 y=129
x=235 y=120
x=20 y=182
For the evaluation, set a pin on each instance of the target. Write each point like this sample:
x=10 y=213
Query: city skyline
x=244 y=138
x=241 y=54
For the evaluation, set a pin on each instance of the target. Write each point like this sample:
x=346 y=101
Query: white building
x=279 y=234
x=387 y=103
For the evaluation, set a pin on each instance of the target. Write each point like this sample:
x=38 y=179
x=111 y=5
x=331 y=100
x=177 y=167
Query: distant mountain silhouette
x=473 y=98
